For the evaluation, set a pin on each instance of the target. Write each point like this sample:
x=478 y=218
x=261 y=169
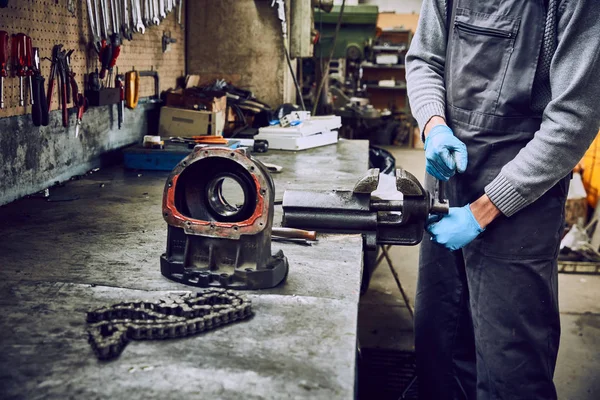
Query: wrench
x=147 y=19
x=126 y=27
x=95 y=33
x=155 y=14
x=139 y=24
x=179 y=13
x=161 y=9
x=104 y=10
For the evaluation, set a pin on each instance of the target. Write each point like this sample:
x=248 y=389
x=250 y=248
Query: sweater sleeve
x=425 y=63
x=571 y=119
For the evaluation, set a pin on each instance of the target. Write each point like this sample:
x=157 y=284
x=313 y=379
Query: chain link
x=112 y=327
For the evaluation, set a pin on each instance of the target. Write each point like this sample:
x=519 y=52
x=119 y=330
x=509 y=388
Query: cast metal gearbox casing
x=212 y=243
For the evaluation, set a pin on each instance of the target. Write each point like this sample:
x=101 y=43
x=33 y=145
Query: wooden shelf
x=382 y=66
x=397 y=87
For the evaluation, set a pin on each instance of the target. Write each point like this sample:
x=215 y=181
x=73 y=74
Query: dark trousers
x=486 y=317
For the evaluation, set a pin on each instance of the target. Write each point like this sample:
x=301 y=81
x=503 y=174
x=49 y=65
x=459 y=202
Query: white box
x=291 y=142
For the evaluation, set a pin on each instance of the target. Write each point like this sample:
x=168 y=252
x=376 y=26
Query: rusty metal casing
x=211 y=242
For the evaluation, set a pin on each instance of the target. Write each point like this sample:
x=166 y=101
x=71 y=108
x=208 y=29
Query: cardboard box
x=179 y=122
x=179 y=99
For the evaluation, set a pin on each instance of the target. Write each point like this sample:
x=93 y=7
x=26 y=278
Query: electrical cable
x=289 y=63
x=326 y=72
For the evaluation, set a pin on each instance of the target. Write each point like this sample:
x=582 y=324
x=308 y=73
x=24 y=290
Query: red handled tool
x=3 y=63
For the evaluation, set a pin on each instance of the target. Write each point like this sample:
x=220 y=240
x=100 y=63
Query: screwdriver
x=29 y=66
x=119 y=83
x=3 y=63
x=19 y=60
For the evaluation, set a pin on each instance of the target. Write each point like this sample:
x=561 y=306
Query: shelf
x=382 y=66
x=397 y=87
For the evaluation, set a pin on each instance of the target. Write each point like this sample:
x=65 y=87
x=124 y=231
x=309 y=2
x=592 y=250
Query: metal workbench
x=99 y=240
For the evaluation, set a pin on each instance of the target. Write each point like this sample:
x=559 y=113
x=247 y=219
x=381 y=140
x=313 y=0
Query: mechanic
x=507 y=95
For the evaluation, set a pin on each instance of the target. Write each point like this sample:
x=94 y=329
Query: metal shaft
x=1 y=92
x=387 y=205
x=21 y=101
x=31 y=102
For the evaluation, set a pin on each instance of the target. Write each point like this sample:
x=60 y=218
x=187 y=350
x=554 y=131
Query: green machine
x=357 y=28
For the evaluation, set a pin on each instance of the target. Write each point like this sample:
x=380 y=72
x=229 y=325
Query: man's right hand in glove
x=444 y=153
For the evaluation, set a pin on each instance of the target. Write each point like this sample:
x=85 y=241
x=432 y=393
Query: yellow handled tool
x=132 y=89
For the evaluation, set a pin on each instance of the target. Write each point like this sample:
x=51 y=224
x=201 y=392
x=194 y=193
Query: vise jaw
x=393 y=222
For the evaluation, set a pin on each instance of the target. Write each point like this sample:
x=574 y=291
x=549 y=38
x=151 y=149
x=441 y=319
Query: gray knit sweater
x=571 y=106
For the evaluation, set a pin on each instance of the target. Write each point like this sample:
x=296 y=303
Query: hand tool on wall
x=106 y=50
x=161 y=9
x=29 y=66
x=132 y=89
x=120 y=84
x=115 y=39
x=70 y=76
x=166 y=41
x=179 y=13
x=94 y=25
x=71 y=6
x=104 y=13
x=53 y=68
x=94 y=81
x=3 y=63
x=39 y=110
x=19 y=56
x=155 y=12
x=62 y=69
x=136 y=13
x=82 y=105
x=126 y=26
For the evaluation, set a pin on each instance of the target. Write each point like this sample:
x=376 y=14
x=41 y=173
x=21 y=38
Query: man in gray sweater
x=507 y=95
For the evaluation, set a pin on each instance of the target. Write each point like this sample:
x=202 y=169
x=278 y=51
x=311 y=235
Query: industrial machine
x=218 y=204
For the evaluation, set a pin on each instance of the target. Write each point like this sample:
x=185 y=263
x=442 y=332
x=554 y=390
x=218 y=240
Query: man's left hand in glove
x=455 y=230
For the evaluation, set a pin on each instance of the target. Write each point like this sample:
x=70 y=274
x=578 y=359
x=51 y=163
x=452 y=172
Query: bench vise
x=381 y=222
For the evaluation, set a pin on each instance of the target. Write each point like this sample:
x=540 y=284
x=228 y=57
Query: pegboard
x=49 y=23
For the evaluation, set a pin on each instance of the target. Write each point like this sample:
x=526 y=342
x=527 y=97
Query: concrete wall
x=239 y=38
x=34 y=158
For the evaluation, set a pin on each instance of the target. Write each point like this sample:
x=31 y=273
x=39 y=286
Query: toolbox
x=103 y=97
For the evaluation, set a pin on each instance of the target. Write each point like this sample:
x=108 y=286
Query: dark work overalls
x=486 y=319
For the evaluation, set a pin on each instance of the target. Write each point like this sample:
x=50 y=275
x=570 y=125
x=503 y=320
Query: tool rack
x=48 y=23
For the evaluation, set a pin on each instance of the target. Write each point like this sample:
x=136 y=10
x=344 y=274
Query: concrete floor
x=384 y=321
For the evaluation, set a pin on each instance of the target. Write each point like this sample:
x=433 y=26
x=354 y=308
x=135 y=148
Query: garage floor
x=384 y=321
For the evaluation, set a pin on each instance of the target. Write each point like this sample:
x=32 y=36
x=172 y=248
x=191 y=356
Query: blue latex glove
x=455 y=230
x=444 y=153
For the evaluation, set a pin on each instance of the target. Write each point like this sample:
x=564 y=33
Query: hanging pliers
x=39 y=108
x=53 y=68
x=63 y=83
